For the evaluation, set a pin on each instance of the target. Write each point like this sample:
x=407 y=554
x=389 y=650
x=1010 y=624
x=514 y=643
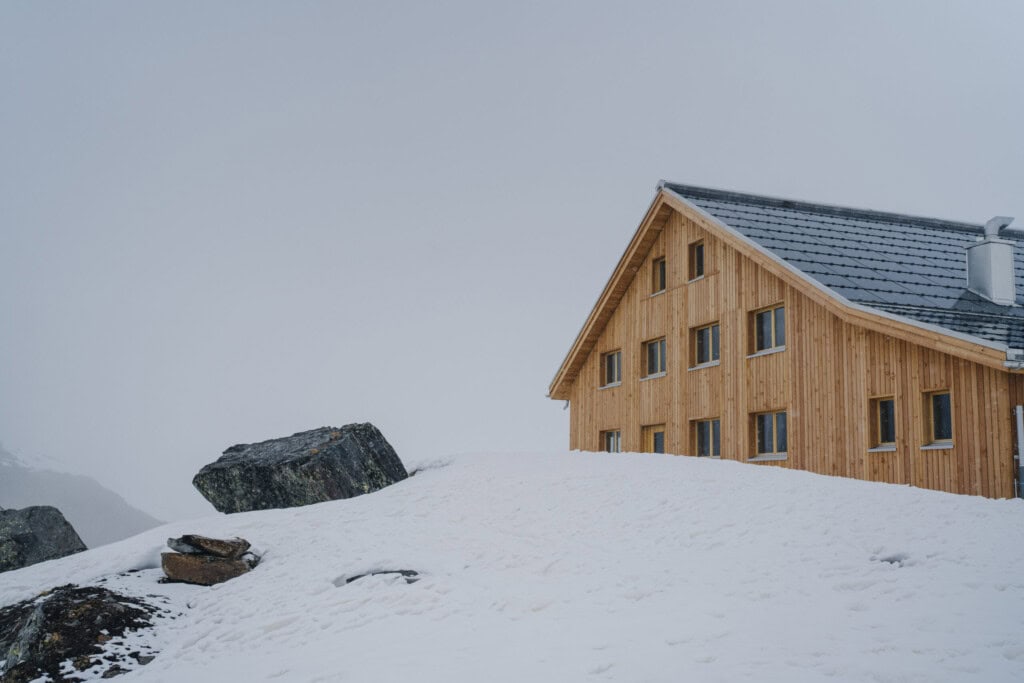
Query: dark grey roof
x=904 y=265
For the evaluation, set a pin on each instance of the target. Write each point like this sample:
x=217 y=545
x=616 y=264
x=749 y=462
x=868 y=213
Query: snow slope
x=592 y=567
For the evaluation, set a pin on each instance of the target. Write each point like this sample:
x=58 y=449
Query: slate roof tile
x=904 y=265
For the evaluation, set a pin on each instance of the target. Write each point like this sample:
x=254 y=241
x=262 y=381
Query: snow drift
x=590 y=567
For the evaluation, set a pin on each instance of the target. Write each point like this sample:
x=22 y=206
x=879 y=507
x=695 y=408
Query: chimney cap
x=996 y=225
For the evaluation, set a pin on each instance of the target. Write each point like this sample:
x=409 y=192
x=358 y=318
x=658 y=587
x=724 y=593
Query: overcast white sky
x=226 y=222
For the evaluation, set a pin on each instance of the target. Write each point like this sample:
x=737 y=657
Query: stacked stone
x=206 y=561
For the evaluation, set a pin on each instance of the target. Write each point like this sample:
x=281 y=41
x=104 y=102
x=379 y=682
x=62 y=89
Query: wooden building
x=840 y=341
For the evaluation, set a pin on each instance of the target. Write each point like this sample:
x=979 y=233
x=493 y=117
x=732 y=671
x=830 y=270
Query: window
x=770 y=329
x=654 y=352
x=883 y=422
x=611 y=441
x=705 y=344
x=696 y=267
x=708 y=437
x=939 y=413
x=654 y=439
x=611 y=369
x=770 y=433
x=658 y=275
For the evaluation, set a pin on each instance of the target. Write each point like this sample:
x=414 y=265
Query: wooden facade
x=835 y=362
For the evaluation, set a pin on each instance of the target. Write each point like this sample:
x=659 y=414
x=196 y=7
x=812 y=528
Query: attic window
x=696 y=260
x=658 y=275
x=769 y=327
x=611 y=369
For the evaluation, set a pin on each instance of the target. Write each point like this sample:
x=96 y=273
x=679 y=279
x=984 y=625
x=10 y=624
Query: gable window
x=938 y=412
x=611 y=369
x=769 y=329
x=706 y=344
x=611 y=441
x=658 y=275
x=696 y=260
x=770 y=434
x=654 y=439
x=708 y=437
x=654 y=355
x=883 y=423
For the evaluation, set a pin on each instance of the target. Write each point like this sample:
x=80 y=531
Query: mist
x=223 y=223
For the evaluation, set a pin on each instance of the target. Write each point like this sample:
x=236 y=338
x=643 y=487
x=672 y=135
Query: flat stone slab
x=193 y=544
x=309 y=467
x=202 y=570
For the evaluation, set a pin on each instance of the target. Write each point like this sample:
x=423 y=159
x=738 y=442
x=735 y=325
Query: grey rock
x=309 y=467
x=35 y=534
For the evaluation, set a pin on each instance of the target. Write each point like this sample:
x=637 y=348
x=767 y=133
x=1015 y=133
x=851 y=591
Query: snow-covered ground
x=594 y=567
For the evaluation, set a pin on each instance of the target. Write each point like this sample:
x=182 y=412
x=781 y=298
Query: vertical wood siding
x=825 y=380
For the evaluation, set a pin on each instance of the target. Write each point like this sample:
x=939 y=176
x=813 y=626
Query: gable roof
x=885 y=269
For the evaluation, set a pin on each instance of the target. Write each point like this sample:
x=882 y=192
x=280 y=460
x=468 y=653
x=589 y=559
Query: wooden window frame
x=696 y=267
x=712 y=424
x=875 y=422
x=616 y=435
x=928 y=412
x=662 y=353
x=775 y=453
x=605 y=381
x=714 y=351
x=659 y=275
x=752 y=324
x=649 y=437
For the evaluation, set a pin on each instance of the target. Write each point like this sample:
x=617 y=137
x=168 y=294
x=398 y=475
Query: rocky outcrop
x=205 y=561
x=35 y=534
x=309 y=467
x=76 y=625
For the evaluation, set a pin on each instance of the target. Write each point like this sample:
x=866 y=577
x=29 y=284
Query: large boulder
x=35 y=534
x=309 y=467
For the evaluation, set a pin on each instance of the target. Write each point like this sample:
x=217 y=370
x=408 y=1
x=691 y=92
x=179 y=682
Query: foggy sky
x=226 y=222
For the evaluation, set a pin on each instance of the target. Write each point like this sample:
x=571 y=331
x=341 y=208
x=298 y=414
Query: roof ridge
x=830 y=209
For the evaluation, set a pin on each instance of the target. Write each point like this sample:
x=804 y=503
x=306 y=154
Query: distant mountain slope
x=98 y=514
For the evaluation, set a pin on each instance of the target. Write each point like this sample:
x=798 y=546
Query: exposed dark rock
x=204 y=570
x=67 y=624
x=309 y=467
x=410 y=575
x=35 y=534
x=192 y=544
